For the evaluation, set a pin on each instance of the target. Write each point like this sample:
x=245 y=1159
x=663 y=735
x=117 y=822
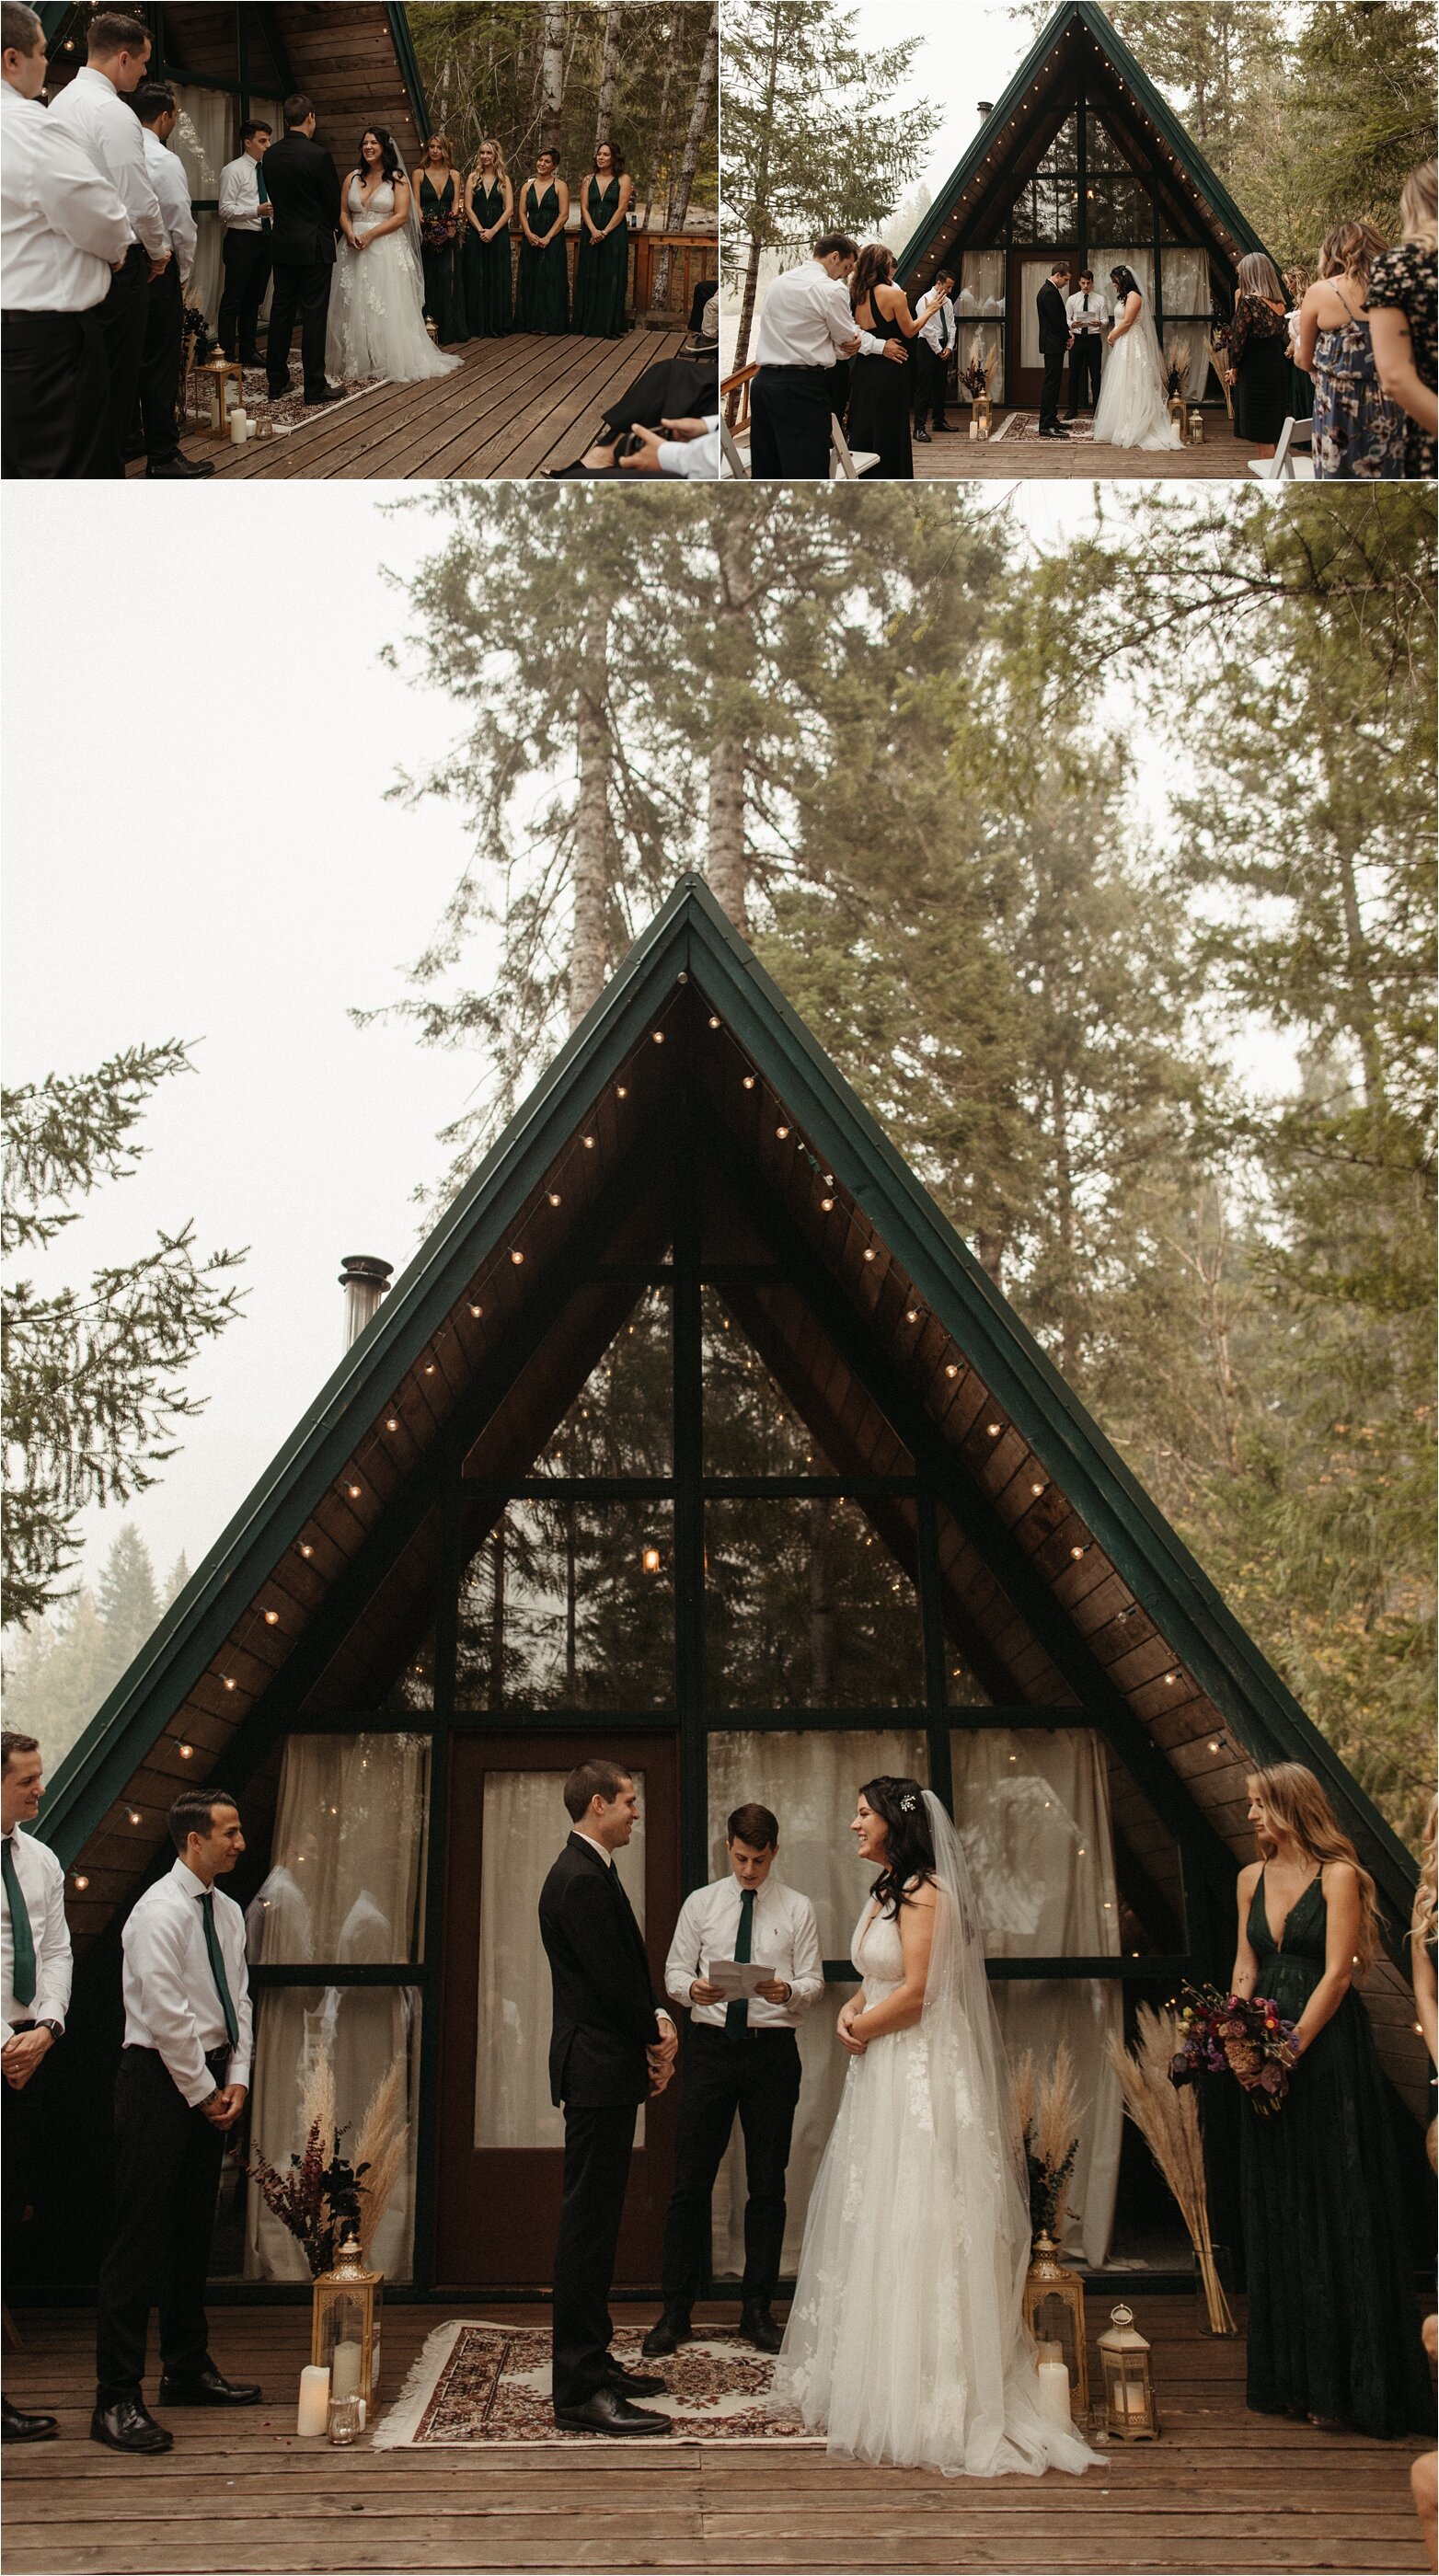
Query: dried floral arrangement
x=977 y=373
x=323 y=2198
x=1176 y=368
x=1168 y=2122
x=1049 y=2117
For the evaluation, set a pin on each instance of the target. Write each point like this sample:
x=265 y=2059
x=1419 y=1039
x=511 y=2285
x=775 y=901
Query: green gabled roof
x=1092 y=19
x=691 y=937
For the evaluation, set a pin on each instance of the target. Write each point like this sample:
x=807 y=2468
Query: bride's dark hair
x=1126 y=281
x=390 y=162
x=909 y=1852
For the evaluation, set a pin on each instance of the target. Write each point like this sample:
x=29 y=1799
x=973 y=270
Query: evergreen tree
x=126 y=1597
x=176 y=1579
x=1363 y=104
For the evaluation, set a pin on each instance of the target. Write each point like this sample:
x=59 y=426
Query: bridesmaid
x=1333 y=2328
x=542 y=290
x=439 y=189
x=603 y=274
x=485 y=259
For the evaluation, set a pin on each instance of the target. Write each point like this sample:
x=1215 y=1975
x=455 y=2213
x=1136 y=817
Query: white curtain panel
x=201 y=141
x=983 y=339
x=981 y=285
x=1032 y=1809
x=361 y=2029
x=1185 y=278
x=525 y=1826
x=1140 y=261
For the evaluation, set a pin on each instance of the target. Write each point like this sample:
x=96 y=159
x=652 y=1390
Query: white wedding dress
x=906 y=2341
x=1131 y=410
x=377 y=301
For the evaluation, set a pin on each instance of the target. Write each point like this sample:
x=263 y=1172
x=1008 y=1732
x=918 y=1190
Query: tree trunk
x=760 y=199
x=1064 y=1193
x=699 y=119
x=592 y=822
x=1362 y=1016
x=609 y=74
x=990 y=1249
x=726 y=866
x=747 y=304
x=662 y=136
x=552 y=76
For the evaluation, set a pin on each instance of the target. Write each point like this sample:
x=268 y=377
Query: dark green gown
x=1333 y=2322
x=443 y=301
x=603 y=275
x=485 y=271
x=542 y=289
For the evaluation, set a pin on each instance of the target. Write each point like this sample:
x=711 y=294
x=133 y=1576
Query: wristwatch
x=55 y=2028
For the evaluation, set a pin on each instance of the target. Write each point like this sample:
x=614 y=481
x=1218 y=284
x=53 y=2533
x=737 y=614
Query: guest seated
x=1402 y=321
x=672 y=389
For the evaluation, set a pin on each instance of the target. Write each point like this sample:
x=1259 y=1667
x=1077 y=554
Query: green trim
x=398 y=22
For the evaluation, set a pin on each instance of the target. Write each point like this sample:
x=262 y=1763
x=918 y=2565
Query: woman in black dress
x=1333 y=2328
x=439 y=191
x=1259 y=354
x=1402 y=321
x=879 y=388
x=542 y=288
x=485 y=259
x=602 y=273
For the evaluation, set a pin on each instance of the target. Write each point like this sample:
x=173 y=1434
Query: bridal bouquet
x=1245 y=2036
x=438 y=231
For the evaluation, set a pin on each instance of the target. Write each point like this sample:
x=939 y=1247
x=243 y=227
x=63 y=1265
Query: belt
x=795 y=367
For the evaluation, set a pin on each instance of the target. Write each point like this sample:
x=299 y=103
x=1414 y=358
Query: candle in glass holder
x=314 y=2413
x=345 y=2370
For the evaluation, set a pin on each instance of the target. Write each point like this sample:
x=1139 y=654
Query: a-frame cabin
x=693 y=1437
x=1081 y=157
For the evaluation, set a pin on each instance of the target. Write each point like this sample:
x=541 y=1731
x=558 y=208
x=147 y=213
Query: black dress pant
x=124 y=319
x=247 y=274
x=302 y=290
x=54 y=400
x=756 y=2075
x=930 y=370
x=1084 y=370
x=22 y=2160
x=598 y=2142
x=160 y=365
x=167 y=2176
x=1053 y=356
x=789 y=410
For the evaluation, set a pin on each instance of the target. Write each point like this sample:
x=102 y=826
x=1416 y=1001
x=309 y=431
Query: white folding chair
x=1284 y=466
x=734 y=464
x=847 y=464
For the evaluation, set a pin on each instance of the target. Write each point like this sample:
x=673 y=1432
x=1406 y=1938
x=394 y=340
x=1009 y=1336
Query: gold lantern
x=345 y=2335
x=1054 y=2312
x=1128 y=2380
x=982 y=414
x=1176 y=410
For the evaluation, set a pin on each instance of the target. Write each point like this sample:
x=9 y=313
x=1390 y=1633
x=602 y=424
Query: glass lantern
x=345 y=2336
x=1128 y=2380
x=1054 y=2313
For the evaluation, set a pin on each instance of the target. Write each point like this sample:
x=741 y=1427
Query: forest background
x=912 y=747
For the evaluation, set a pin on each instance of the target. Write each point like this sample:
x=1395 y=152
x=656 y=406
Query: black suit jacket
x=1049 y=303
x=304 y=189
x=604 y=2006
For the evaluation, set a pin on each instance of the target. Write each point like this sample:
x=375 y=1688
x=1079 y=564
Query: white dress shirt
x=167 y=176
x=940 y=330
x=784 y=1936
x=91 y=108
x=172 y=2002
x=806 y=320
x=1091 y=311
x=240 y=196
x=695 y=460
x=62 y=226
x=42 y=1884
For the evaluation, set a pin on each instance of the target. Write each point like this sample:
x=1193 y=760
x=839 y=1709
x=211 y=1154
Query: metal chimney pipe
x=364 y=1280
x=986 y=108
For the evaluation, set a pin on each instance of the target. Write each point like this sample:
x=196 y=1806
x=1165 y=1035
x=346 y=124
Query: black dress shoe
x=327 y=393
x=634 y=2383
x=923 y=434
x=178 y=469
x=249 y=358
x=758 y=2327
x=666 y=2335
x=608 y=2412
x=209 y=2387
x=127 y=2425
x=275 y=393
x=17 y=2427
x=945 y=428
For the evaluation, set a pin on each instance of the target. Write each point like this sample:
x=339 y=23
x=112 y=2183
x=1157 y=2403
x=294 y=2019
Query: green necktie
x=217 y=1966
x=261 y=189
x=736 y=2020
x=22 y=1973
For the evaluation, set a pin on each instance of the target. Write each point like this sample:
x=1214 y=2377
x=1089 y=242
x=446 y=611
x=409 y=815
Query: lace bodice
x=377 y=210
x=878 y=1952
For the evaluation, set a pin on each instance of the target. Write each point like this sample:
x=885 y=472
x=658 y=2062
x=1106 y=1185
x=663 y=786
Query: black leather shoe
x=665 y=2336
x=208 y=2388
x=178 y=469
x=608 y=2412
x=328 y=393
x=276 y=393
x=634 y=2383
x=922 y=434
x=250 y=358
x=945 y=428
x=758 y=2327
x=16 y=2427
x=129 y=2426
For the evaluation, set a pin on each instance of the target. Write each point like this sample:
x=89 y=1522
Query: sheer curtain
x=809 y=1779
x=1032 y=1810
x=1140 y=261
x=1185 y=278
x=201 y=140
x=346 y=1886
x=524 y=1826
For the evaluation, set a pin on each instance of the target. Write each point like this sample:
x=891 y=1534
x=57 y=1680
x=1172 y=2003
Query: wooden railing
x=734 y=393
x=694 y=258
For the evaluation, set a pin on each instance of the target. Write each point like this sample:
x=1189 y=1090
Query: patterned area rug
x=484 y=2383
x=1025 y=424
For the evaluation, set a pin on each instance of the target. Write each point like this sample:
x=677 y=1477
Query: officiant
x=1088 y=315
x=740 y=2056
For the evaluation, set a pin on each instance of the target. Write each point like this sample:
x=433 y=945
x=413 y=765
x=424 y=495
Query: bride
x=1130 y=411
x=906 y=2340
x=377 y=321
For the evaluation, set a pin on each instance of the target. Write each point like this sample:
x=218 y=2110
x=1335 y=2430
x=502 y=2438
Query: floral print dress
x=1404 y=278
x=1358 y=432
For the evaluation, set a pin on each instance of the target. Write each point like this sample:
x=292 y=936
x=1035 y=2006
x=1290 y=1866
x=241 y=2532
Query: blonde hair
x=1297 y=1803
x=490 y=143
x=1259 y=276
x=1349 y=251
x=1419 y=207
x=437 y=143
x=1426 y=1895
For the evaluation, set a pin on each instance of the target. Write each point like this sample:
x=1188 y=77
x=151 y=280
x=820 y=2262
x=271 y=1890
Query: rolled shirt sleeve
x=76 y=201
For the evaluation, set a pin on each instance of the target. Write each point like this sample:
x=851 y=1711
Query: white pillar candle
x=974 y=429
x=239 y=428
x=345 y=2370
x=1054 y=2394
x=314 y=2414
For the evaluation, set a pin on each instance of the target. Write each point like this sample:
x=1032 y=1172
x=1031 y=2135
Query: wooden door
x=499 y=2139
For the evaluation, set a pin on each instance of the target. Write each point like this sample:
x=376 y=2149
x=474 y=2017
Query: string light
x=229 y=1681
x=1214 y=1746
x=658 y=1035
x=1036 y=1489
x=781 y=1132
x=392 y=1422
x=748 y=1083
x=911 y=1314
x=305 y=1548
x=951 y=1368
x=1171 y=1679
x=354 y=1491
x=272 y=1618
x=134 y=1815
x=185 y=1751
x=828 y=1206
x=622 y=1091
x=994 y=1429
x=650 y=1560
x=1079 y=1551
x=430 y=1365
x=869 y=1252
x=589 y=1144
x=554 y=1198
x=714 y=1023
x=517 y=1258
x=477 y=1312
x=81 y=1881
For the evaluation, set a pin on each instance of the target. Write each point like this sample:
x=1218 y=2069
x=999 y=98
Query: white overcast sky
x=970 y=50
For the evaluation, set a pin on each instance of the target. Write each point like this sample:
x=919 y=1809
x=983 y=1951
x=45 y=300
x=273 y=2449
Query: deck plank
x=958 y=458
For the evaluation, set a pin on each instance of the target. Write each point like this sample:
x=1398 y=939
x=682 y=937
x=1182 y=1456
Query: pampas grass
x=380 y=2147
x=1167 y=2118
x=1049 y=2112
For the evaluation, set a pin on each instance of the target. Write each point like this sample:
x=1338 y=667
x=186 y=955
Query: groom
x=611 y=2042
x=1055 y=340
x=304 y=190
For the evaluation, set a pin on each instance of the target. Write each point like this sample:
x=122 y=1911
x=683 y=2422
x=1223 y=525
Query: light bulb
x=392 y=1422
x=1213 y=1747
x=659 y=1036
x=651 y=1560
x=589 y=1144
x=185 y=1751
x=354 y=1491
x=477 y=1312
x=994 y=1429
x=827 y=1205
x=951 y=1368
x=1171 y=1679
x=517 y=1258
x=622 y=1091
x=272 y=1618
x=781 y=1132
x=228 y=1682
x=135 y=1816
x=429 y=1368
x=1036 y=1489
x=911 y=1314
x=714 y=1024
x=1076 y=1551
x=305 y=1548
x=554 y=1198
x=749 y=1082
x=869 y=1252
x=81 y=1881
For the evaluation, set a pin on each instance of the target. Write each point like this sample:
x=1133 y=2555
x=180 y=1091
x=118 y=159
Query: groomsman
x=34 y=1999
x=154 y=104
x=932 y=347
x=63 y=234
x=738 y=2057
x=1088 y=314
x=807 y=334
x=92 y=108
x=183 y=2078
x=246 y=215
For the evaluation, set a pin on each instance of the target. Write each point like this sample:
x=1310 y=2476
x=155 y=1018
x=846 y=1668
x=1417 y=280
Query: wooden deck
x=517 y=407
x=1222 y=2491
x=1223 y=458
